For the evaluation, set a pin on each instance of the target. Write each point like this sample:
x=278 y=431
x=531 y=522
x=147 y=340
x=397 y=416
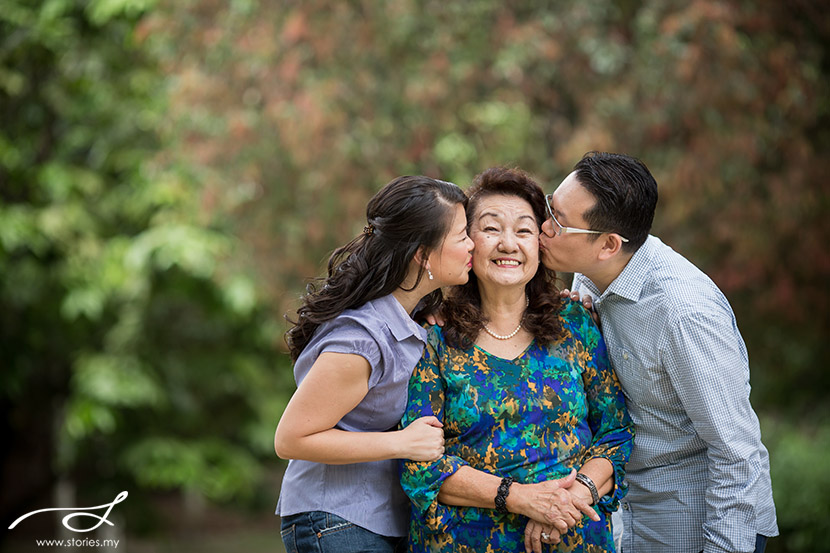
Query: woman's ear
x=421 y=258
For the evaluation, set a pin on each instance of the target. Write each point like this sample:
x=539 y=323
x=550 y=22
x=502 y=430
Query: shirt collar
x=400 y=323
x=629 y=283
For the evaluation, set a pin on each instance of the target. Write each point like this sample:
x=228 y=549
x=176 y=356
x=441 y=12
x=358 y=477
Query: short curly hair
x=462 y=308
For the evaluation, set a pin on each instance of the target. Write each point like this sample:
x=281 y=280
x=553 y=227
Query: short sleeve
x=348 y=335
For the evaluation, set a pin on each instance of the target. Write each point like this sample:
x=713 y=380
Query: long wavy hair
x=464 y=319
x=409 y=214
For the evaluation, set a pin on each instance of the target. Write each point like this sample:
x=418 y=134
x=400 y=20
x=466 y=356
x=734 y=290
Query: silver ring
x=545 y=536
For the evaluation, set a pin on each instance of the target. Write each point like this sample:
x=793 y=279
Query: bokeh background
x=173 y=172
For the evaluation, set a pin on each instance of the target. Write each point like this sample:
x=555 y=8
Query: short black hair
x=625 y=192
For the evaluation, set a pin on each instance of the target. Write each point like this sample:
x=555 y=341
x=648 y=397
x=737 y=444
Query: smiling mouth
x=506 y=262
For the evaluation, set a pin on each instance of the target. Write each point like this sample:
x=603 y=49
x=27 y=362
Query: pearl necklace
x=508 y=336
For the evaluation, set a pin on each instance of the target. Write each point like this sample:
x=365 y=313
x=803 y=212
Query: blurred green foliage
x=156 y=155
x=801 y=481
x=133 y=354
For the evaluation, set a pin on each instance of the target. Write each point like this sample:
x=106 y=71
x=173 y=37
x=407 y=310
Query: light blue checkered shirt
x=698 y=474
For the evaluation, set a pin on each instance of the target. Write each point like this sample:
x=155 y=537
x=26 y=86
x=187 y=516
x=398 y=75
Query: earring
x=429 y=273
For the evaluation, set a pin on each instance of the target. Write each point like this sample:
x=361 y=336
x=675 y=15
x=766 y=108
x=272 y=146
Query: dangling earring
x=429 y=273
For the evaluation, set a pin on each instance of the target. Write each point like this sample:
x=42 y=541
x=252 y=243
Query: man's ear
x=611 y=246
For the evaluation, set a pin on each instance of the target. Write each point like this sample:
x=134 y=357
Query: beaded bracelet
x=501 y=495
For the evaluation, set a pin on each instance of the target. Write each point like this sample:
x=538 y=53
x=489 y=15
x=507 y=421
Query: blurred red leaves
x=722 y=99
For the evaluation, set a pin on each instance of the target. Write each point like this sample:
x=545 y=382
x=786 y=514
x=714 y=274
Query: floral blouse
x=534 y=418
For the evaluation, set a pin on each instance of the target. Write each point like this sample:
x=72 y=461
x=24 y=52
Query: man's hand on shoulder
x=587 y=302
x=435 y=318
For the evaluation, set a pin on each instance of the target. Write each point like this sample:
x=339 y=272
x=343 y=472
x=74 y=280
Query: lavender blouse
x=366 y=494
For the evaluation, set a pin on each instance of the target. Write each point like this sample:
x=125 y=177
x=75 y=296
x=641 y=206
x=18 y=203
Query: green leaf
x=85 y=417
x=103 y=11
x=193 y=249
x=116 y=380
x=217 y=469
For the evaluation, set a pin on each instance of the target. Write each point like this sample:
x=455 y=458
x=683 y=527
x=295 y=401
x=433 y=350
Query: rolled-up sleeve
x=422 y=481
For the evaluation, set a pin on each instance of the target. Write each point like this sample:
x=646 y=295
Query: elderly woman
x=535 y=425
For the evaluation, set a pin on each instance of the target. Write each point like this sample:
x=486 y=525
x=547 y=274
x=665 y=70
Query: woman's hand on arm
x=422 y=440
x=336 y=384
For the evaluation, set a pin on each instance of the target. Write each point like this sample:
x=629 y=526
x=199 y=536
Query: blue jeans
x=320 y=532
x=760 y=543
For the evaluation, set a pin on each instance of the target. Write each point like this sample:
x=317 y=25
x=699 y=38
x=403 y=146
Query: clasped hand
x=553 y=507
x=422 y=440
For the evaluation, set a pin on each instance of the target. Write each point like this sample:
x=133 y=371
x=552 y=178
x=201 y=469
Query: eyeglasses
x=559 y=228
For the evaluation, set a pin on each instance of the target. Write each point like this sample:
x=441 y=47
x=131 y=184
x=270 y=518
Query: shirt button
x=625 y=506
x=625 y=355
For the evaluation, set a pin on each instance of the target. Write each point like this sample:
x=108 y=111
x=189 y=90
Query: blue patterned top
x=534 y=418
